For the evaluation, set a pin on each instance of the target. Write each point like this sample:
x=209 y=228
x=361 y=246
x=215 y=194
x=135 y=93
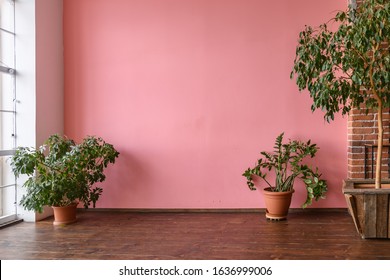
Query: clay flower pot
x=64 y=215
x=277 y=204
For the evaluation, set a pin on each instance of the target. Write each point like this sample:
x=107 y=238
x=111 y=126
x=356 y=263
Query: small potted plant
x=62 y=174
x=287 y=162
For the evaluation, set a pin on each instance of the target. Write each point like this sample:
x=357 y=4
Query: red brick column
x=362 y=130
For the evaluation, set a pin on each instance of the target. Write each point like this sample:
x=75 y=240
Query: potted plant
x=348 y=68
x=62 y=174
x=287 y=162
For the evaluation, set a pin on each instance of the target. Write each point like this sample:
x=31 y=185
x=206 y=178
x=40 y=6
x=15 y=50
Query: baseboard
x=207 y=210
x=13 y=222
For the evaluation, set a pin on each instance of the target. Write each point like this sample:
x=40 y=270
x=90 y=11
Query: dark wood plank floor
x=120 y=235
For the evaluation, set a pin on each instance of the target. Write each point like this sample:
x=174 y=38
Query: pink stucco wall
x=189 y=92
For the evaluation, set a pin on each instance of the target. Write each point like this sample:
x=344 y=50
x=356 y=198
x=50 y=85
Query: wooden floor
x=120 y=235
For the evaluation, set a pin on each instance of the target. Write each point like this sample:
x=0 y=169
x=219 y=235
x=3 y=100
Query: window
x=7 y=110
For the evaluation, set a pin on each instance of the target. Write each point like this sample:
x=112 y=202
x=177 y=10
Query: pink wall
x=189 y=91
x=49 y=69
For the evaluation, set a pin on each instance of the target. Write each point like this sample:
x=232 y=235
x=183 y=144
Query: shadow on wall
x=126 y=179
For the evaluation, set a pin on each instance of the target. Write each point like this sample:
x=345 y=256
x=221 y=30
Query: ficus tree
x=345 y=63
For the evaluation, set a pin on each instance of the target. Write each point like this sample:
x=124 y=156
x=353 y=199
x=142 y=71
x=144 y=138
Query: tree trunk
x=378 y=171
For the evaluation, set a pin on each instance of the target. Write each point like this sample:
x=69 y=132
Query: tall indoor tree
x=345 y=63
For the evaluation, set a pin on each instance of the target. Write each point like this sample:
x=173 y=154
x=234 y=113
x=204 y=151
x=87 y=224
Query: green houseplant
x=287 y=162
x=348 y=68
x=62 y=173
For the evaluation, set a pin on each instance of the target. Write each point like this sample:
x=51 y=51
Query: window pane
x=7 y=177
x=7 y=15
x=7 y=49
x=6 y=131
x=7 y=194
x=6 y=92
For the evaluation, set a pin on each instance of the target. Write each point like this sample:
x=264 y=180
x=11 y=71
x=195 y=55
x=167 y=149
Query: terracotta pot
x=277 y=204
x=64 y=215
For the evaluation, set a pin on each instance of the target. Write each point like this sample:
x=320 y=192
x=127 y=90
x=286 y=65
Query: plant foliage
x=350 y=66
x=61 y=172
x=347 y=67
x=287 y=162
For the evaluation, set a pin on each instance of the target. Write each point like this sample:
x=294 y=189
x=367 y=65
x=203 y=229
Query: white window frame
x=8 y=201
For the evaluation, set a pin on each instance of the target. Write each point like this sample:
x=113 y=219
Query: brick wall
x=362 y=134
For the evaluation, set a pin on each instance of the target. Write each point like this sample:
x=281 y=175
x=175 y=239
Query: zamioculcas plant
x=350 y=66
x=287 y=160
